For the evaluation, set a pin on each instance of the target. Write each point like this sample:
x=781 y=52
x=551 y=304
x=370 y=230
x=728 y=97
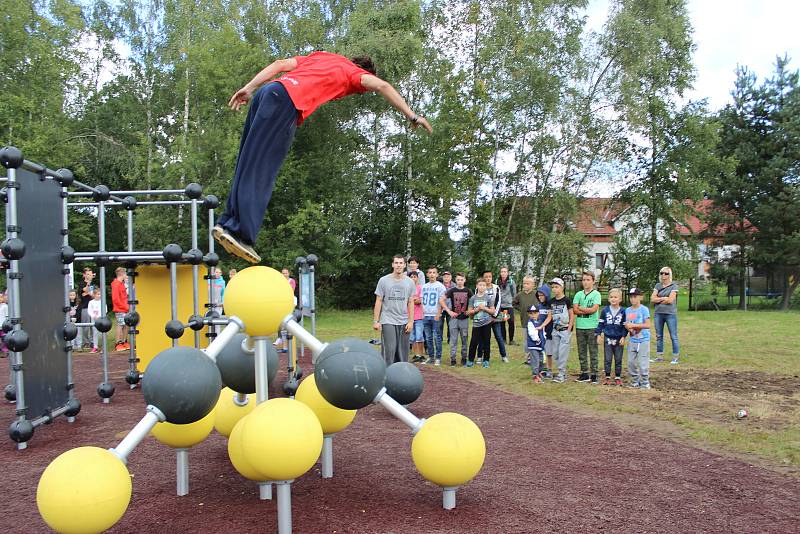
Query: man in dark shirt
x=86 y=287
x=455 y=303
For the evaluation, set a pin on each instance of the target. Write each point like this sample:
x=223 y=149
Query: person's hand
x=599 y=340
x=409 y=327
x=376 y=326
x=622 y=342
x=240 y=98
x=451 y=313
x=421 y=121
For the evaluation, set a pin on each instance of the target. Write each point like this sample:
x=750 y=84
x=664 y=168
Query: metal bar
x=215 y=347
x=49 y=417
x=327 y=456
x=399 y=411
x=265 y=491
x=212 y=330
x=195 y=273
x=182 y=471
x=134 y=192
x=284 y=506
x=173 y=294
x=313 y=291
x=138 y=203
x=449 y=497
x=315 y=345
x=149 y=259
x=138 y=433
x=121 y=253
x=262 y=382
x=86 y=187
x=67 y=280
x=14 y=297
x=101 y=231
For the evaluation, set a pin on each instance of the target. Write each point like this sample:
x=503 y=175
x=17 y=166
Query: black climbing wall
x=39 y=215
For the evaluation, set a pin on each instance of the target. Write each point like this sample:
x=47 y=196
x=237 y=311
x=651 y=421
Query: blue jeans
x=433 y=337
x=672 y=323
x=497 y=328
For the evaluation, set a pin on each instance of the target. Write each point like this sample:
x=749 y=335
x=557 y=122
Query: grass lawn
x=730 y=360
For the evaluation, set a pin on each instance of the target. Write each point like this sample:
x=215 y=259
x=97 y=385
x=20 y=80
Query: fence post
x=691 y=287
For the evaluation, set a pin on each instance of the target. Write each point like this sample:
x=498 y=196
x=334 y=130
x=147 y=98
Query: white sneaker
x=437 y=362
x=505 y=359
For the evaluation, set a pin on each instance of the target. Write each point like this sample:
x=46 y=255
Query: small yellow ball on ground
x=261 y=298
x=227 y=413
x=331 y=418
x=83 y=491
x=282 y=439
x=449 y=449
x=184 y=436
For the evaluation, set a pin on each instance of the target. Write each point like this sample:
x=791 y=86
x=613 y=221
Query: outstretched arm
x=373 y=83
x=243 y=95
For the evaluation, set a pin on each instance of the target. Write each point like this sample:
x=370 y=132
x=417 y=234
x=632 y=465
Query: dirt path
x=547 y=469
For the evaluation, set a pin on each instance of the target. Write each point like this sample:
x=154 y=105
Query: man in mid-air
x=275 y=112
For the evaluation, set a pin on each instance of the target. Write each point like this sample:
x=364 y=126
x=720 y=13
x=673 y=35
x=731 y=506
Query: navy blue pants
x=267 y=135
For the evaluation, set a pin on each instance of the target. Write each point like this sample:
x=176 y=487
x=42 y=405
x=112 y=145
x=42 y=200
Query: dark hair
x=588 y=273
x=365 y=62
x=461 y=274
x=486 y=271
x=413 y=258
x=432 y=267
x=398 y=256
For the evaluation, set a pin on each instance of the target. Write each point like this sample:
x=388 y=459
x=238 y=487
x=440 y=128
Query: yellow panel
x=152 y=292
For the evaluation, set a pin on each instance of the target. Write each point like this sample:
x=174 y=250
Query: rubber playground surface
x=547 y=469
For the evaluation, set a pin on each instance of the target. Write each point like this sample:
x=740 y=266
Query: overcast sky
x=730 y=33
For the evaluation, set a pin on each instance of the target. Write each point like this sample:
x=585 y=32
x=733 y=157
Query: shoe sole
x=232 y=246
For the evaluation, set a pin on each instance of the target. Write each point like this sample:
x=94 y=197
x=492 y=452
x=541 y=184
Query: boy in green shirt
x=586 y=304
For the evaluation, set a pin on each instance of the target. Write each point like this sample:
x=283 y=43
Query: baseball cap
x=533 y=309
x=558 y=281
x=447 y=272
x=635 y=291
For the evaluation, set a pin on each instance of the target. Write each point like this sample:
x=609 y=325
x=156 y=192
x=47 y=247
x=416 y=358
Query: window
x=600 y=261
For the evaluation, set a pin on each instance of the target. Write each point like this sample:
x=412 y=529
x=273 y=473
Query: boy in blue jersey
x=611 y=324
x=637 y=322
x=535 y=340
x=432 y=311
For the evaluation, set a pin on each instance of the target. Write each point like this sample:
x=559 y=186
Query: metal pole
x=312 y=270
x=212 y=330
x=315 y=345
x=399 y=411
x=14 y=305
x=173 y=294
x=101 y=231
x=195 y=273
x=234 y=326
x=132 y=301
x=67 y=280
x=138 y=433
x=182 y=471
x=260 y=357
x=449 y=497
x=327 y=456
x=284 y=506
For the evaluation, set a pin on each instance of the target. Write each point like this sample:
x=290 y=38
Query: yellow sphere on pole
x=83 y=491
x=236 y=453
x=261 y=297
x=227 y=413
x=449 y=449
x=282 y=439
x=331 y=418
x=184 y=436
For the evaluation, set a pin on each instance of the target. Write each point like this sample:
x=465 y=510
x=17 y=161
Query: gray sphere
x=237 y=367
x=183 y=383
x=404 y=382
x=349 y=373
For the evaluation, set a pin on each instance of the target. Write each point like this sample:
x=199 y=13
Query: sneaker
x=593 y=378
x=505 y=359
x=559 y=379
x=548 y=374
x=617 y=381
x=417 y=358
x=125 y=346
x=657 y=359
x=437 y=362
x=607 y=381
x=479 y=359
x=583 y=378
x=463 y=363
x=645 y=386
x=117 y=347
x=470 y=364
x=674 y=361
x=429 y=361
x=527 y=362
x=234 y=246
x=452 y=362
x=486 y=364
x=634 y=385
x=537 y=379
x=94 y=350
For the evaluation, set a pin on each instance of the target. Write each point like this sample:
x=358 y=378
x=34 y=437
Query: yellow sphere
x=227 y=413
x=449 y=449
x=282 y=439
x=84 y=490
x=184 y=436
x=236 y=453
x=331 y=418
x=261 y=298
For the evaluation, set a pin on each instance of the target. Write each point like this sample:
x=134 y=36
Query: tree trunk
x=409 y=200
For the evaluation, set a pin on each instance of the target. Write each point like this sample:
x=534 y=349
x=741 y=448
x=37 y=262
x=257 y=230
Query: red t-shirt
x=318 y=78
x=119 y=296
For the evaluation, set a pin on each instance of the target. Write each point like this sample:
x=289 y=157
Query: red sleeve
x=119 y=297
x=300 y=60
x=355 y=80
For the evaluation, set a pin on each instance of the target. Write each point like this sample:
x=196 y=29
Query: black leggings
x=508 y=338
x=481 y=340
